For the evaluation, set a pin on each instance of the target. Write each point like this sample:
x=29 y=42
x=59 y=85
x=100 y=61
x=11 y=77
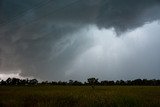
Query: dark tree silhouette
x=71 y=82
x=9 y=81
x=33 y=81
x=90 y=81
x=93 y=82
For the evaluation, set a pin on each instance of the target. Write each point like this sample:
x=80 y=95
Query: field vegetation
x=79 y=96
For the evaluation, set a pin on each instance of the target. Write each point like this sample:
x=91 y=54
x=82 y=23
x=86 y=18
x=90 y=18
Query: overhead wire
x=23 y=12
x=39 y=5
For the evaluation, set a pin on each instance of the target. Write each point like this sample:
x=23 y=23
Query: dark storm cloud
x=121 y=15
x=39 y=37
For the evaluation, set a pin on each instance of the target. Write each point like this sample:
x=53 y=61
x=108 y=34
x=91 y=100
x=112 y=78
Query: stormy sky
x=77 y=39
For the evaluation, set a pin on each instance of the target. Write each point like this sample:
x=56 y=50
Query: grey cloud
x=121 y=15
x=42 y=37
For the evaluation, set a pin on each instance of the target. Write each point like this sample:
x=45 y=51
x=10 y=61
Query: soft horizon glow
x=16 y=74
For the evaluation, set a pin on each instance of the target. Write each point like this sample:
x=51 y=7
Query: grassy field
x=79 y=96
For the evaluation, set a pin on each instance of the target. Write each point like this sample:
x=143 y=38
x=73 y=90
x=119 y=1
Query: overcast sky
x=78 y=39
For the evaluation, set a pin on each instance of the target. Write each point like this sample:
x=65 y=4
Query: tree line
x=90 y=81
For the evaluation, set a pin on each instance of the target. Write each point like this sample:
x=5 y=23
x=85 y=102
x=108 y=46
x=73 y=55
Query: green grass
x=79 y=96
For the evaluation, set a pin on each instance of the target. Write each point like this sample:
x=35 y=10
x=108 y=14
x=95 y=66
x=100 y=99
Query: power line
x=49 y=2
x=21 y=14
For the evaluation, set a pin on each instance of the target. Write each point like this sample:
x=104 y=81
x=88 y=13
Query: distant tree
x=54 y=83
x=117 y=82
x=92 y=81
x=77 y=83
x=71 y=82
x=44 y=82
x=105 y=82
x=145 y=82
x=111 y=83
x=8 y=81
x=62 y=83
x=137 y=82
x=3 y=82
x=122 y=82
x=128 y=82
x=33 y=81
x=158 y=82
x=15 y=81
x=85 y=83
